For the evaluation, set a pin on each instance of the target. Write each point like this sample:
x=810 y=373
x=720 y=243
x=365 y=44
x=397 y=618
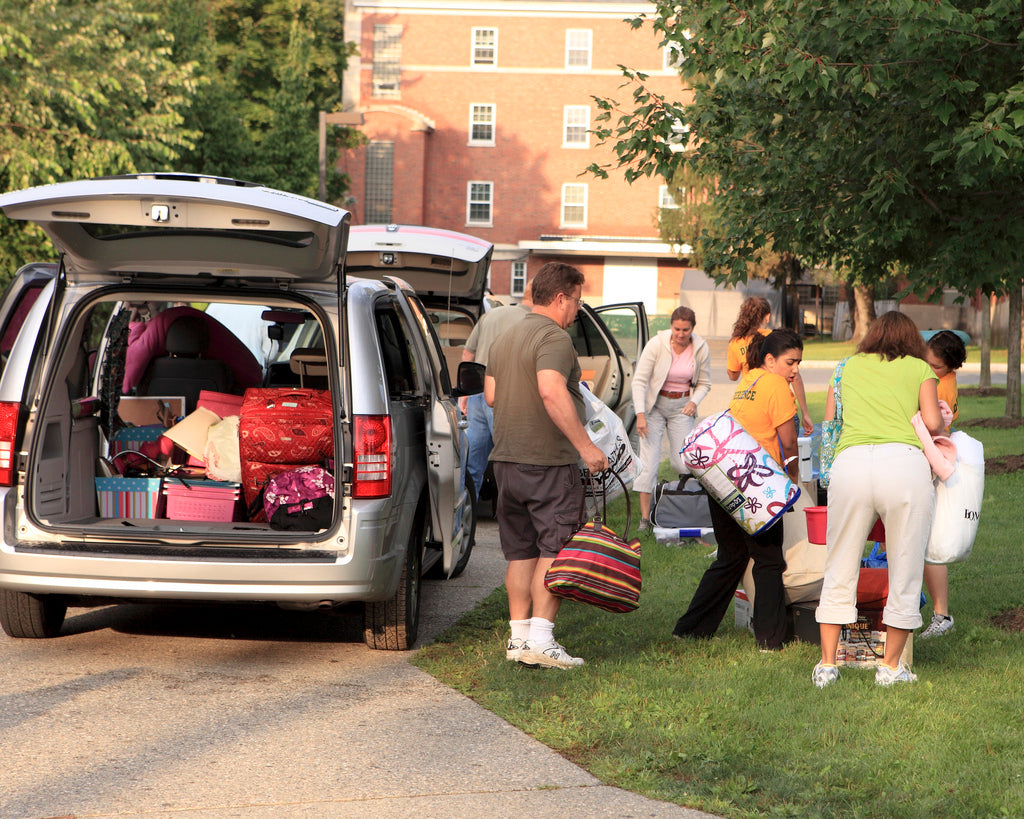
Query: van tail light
x=9 y=412
x=371 y=444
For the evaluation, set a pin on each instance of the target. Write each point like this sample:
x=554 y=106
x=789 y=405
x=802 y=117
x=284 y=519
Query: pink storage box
x=222 y=403
x=204 y=500
x=129 y=497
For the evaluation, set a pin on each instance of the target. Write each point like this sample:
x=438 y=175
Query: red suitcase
x=286 y=425
x=255 y=477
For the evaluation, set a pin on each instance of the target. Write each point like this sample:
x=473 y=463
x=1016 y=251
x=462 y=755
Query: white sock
x=520 y=629
x=541 y=631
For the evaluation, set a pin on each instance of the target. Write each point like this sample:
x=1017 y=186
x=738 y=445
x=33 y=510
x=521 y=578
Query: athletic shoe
x=823 y=675
x=514 y=649
x=889 y=676
x=940 y=624
x=549 y=655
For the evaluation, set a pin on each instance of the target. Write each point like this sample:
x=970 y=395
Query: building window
x=671 y=58
x=481 y=124
x=576 y=126
x=665 y=198
x=577 y=48
x=518 y=279
x=479 y=203
x=380 y=167
x=387 y=61
x=485 y=47
x=574 y=205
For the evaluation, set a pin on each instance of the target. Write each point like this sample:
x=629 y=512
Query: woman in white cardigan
x=672 y=377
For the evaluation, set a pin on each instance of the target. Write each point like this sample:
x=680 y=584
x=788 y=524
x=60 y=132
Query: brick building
x=477 y=117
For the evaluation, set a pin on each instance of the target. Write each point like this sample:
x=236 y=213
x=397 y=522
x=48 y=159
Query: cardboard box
x=743 y=610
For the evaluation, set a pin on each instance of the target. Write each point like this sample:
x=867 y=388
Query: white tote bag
x=958 y=504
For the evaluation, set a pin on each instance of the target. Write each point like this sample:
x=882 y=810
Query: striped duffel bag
x=597 y=567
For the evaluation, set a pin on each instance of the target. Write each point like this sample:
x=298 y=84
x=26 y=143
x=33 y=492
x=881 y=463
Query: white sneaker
x=890 y=676
x=940 y=624
x=549 y=655
x=823 y=675
x=514 y=649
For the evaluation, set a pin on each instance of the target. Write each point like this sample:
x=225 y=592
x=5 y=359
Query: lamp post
x=351 y=119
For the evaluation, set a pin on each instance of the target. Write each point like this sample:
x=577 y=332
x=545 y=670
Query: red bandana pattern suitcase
x=286 y=425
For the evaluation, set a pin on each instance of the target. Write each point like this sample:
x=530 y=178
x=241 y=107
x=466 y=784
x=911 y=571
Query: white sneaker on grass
x=514 y=649
x=823 y=675
x=549 y=655
x=940 y=624
x=890 y=676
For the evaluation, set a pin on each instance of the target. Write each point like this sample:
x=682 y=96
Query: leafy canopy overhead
x=858 y=134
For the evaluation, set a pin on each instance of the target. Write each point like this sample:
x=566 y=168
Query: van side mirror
x=470 y=378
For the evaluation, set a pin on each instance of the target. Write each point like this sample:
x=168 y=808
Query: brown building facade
x=477 y=116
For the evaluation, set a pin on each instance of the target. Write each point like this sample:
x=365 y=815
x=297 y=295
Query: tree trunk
x=1013 y=354
x=865 y=312
x=985 y=308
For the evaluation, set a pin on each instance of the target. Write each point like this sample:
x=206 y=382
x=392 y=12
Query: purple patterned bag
x=300 y=499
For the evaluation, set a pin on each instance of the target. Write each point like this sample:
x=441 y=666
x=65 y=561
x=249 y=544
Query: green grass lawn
x=716 y=725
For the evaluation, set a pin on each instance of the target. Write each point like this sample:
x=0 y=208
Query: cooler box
x=130 y=497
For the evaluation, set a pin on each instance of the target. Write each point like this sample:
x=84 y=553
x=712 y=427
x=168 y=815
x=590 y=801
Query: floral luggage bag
x=739 y=473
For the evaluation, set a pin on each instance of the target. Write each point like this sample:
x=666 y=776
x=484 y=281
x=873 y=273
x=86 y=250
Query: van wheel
x=392 y=625
x=31 y=615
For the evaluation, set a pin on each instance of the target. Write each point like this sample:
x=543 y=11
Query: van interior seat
x=310 y=365
x=183 y=371
x=455 y=332
x=596 y=371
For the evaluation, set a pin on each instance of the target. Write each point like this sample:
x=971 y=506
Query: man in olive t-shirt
x=533 y=383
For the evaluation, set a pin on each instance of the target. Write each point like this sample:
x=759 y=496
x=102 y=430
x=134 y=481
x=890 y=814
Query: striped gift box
x=130 y=497
x=133 y=437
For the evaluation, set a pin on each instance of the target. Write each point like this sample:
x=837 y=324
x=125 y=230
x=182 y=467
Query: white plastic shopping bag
x=608 y=433
x=958 y=504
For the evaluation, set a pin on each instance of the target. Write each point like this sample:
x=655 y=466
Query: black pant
x=718 y=585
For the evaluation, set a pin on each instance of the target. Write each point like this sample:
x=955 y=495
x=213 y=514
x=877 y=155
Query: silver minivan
x=275 y=261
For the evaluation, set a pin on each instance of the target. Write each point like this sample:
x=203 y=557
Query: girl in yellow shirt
x=752 y=320
x=764 y=406
x=946 y=354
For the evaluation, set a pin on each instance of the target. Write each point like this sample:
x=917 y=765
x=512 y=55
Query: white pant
x=893 y=482
x=667 y=413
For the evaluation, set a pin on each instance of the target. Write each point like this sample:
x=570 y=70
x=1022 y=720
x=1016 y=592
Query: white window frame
x=474 y=189
x=671 y=58
x=386 y=68
x=479 y=109
x=665 y=199
x=573 y=117
x=478 y=47
x=517 y=284
x=571 y=200
x=578 y=42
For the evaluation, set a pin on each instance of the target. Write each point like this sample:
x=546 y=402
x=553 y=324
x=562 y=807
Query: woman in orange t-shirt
x=752 y=319
x=764 y=406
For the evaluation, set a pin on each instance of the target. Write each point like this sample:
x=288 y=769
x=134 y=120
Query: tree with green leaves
x=863 y=136
x=269 y=67
x=86 y=89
